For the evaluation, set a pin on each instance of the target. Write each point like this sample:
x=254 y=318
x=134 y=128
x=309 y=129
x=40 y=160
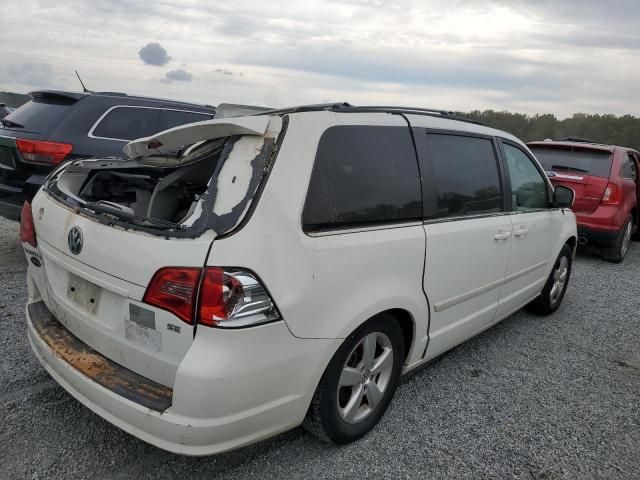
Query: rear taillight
x=233 y=298
x=27 y=228
x=49 y=153
x=229 y=298
x=174 y=289
x=612 y=195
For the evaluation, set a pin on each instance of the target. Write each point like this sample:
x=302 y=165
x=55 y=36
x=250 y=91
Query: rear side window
x=363 y=175
x=461 y=175
x=592 y=162
x=175 y=118
x=127 y=123
x=40 y=114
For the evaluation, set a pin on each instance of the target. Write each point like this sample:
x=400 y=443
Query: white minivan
x=238 y=277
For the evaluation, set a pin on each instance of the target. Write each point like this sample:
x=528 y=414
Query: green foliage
x=610 y=129
x=13 y=99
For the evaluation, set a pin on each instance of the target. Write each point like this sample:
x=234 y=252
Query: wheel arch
x=407 y=325
x=573 y=243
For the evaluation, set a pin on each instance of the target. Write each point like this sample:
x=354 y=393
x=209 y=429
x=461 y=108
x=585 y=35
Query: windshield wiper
x=125 y=215
x=111 y=210
x=570 y=169
x=9 y=123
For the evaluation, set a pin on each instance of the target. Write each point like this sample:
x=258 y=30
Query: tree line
x=13 y=99
x=610 y=129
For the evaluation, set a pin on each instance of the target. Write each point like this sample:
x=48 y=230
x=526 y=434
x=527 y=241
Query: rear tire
x=616 y=252
x=553 y=292
x=359 y=382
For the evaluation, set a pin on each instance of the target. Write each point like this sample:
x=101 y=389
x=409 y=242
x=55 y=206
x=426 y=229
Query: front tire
x=359 y=382
x=616 y=252
x=553 y=292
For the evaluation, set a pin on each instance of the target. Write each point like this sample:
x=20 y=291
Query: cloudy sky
x=531 y=56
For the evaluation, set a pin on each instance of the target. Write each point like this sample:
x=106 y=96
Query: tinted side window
x=363 y=175
x=528 y=186
x=462 y=175
x=128 y=123
x=175 y=118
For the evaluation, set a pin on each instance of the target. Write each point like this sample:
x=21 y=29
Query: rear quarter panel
x=326 y=285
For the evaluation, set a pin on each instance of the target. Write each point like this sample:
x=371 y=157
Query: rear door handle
x=502 y=235
x=521 y=231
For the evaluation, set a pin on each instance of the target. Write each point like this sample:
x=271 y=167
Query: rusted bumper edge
x=95 y=366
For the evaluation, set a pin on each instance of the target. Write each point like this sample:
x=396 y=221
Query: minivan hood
x=192 y=133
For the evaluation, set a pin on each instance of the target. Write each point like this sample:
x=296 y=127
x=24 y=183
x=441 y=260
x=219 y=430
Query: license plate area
x=83 y=293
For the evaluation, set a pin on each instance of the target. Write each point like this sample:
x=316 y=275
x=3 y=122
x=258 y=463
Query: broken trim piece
x=94 y=365
x=195 y=132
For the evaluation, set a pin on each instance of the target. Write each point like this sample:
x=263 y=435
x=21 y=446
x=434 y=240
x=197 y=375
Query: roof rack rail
x=431 y=112
x=347 y=107
x=314 y=107
x=405 y=109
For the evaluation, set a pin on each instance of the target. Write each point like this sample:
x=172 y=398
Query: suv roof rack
x=313 y=107
x=347 y=107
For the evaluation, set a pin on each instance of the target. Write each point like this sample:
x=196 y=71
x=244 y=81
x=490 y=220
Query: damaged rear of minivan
x=118 y=277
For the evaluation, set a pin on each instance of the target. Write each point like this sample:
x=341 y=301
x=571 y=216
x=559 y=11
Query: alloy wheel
x=559 y=279
x=365 y=377
x=626 y=239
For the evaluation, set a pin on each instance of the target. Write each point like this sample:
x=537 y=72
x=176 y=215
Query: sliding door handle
x=521 y=231
x=502 y=235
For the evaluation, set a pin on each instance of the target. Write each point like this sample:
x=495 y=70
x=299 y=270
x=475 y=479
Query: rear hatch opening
x=174 y=190
x=126 y=215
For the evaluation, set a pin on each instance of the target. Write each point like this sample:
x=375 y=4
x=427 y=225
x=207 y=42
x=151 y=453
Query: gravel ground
x=532 y=398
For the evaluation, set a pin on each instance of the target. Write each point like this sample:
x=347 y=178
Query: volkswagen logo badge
x=74 y=240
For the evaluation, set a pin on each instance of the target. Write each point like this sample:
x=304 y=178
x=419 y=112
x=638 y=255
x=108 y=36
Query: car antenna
x=84 y=89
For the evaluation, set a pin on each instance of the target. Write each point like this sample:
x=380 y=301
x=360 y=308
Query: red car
x=606 y=185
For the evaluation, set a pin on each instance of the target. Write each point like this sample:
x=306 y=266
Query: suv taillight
x=229 y=298
x=49 y=153
x=233 y=298
x=27 y=228
x=174 y=290
x=612 y=195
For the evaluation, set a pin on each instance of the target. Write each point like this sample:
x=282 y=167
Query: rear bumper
x=225 y=396
x=597 y=237
x=601 y=227
x=19 y=185
x=11 y=205
x=14 y=192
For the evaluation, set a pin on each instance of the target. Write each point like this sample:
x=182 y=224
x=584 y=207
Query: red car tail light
x=612 y=195
x=49 y=153
x=174 y=289
x=234 y=298
x=27 y=227
x=228 y=298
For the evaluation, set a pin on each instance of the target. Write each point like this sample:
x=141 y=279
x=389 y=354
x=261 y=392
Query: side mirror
x=563 y=197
